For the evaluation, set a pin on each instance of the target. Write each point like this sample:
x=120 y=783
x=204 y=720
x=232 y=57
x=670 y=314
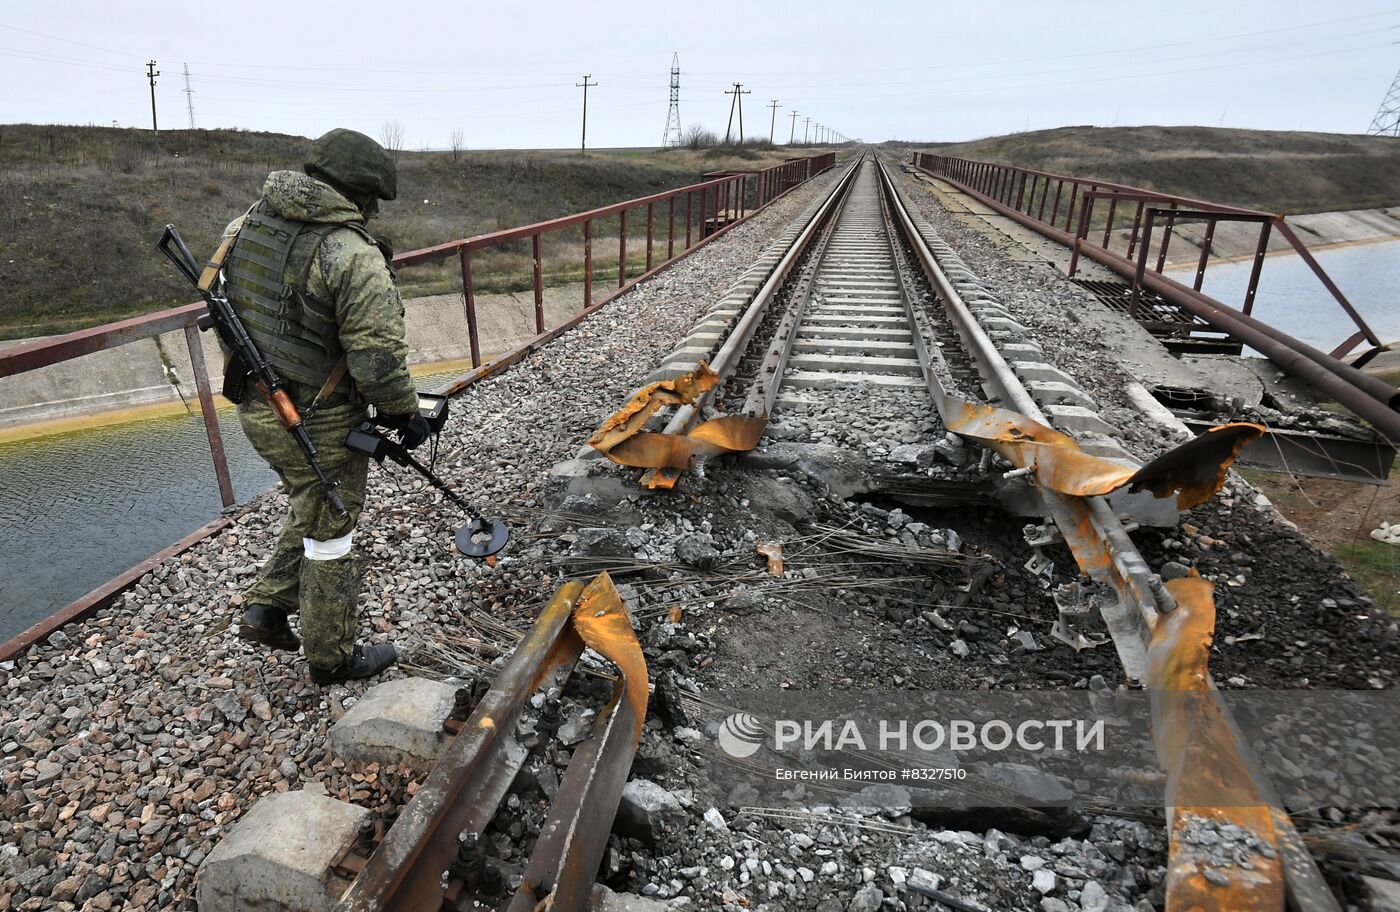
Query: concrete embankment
x=1240 y=240
x=153 y=374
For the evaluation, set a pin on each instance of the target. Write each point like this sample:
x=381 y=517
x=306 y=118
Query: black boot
x=268 y=625
x=365 y=661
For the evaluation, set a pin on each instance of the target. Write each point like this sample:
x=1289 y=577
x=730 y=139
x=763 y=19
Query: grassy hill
x=82 y=207
x=1274 y=170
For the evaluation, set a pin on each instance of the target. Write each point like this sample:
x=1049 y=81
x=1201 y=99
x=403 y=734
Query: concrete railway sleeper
x=856 y=321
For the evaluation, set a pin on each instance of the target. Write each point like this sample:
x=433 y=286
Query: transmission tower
x=672 y=137
x=1387 y=119
x=189 y=96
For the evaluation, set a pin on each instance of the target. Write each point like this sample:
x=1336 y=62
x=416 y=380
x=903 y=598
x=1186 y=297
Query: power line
x=772 y=121
x=15 y=28
x=672 y=136
x=792 y=132
x=189 y=95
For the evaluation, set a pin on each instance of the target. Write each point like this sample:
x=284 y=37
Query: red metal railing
x=688 y=215
x=1063 y=208
x=1068 y=205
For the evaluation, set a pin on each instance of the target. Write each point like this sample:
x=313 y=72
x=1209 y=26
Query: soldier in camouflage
x=315 y=291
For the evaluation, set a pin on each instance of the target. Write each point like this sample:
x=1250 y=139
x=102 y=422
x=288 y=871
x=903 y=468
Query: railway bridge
x=844 y=433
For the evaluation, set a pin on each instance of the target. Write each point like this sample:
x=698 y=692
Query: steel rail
x=1159 y=619
x=1089 y=524
x=727 y=359
x=430 y=857
x=768 y=379
x=404 y=871
x=1363 y=394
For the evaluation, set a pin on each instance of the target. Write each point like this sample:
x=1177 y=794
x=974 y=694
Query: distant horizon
x=502 y=80
x=776 y=145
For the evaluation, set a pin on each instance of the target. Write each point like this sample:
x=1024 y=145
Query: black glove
x=413 y=428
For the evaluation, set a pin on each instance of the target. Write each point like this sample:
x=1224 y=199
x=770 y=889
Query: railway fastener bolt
x=470 y=861
x=465 y=700
x=1165 y=601
x=492 y=883
x=551 y=715
x=364 y=835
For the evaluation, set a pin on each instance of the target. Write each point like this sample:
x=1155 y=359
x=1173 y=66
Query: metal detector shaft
x=399 y=454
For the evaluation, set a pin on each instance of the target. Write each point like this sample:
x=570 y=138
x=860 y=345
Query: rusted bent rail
x=431 y=857
x=1168 y=628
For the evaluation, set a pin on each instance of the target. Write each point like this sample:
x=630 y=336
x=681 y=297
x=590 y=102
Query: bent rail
x=1162 y=631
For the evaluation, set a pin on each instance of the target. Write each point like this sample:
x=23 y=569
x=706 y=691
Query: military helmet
x=353 y=161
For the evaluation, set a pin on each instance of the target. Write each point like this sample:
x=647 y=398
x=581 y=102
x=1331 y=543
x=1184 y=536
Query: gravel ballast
x=132 y=741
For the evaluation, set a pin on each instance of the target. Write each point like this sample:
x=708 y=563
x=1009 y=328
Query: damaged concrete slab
x=397 y=721
x=280 y=856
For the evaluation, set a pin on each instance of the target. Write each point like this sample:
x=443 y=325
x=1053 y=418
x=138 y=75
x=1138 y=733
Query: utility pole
x=736 y=102
x=772 y=121
x=672 y=136
x=741 y=93
x=583 y=140
x=792 y=131
x=806 y=126
x=151 y=74
x=189 y=96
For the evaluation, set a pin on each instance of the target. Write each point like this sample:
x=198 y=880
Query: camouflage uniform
x=311 y=567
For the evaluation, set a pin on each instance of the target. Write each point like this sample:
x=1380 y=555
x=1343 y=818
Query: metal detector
x=479 y=538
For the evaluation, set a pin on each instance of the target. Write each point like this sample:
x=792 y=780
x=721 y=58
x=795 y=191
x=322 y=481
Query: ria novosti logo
x=740 y=735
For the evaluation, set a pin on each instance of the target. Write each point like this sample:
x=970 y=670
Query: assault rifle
x=246 y=362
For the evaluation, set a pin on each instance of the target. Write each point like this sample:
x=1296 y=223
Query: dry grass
x=1273 y=170
x=81 y=207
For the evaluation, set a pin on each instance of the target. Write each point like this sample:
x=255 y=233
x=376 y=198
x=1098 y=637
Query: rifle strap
x=342 y=367
x=216 y=262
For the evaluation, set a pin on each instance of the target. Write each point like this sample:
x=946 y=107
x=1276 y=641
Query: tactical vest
x=295 y=332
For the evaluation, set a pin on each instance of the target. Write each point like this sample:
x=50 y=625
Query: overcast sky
x=504 y=73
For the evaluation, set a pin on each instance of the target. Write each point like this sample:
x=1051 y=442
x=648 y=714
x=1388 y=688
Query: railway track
x=865 y=312
x=856 y=329
x=871 y=315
